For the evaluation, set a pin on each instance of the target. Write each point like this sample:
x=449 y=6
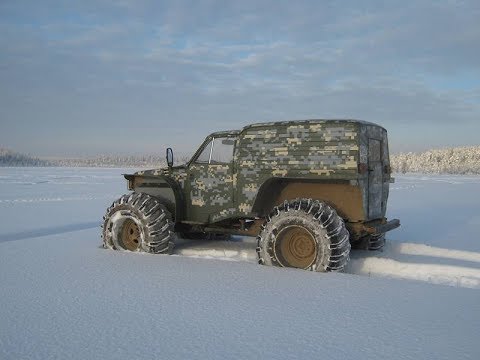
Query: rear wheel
x=138 y=222
x=305 y=234
x=296 y=247
x=370 y=242
x=376 y=242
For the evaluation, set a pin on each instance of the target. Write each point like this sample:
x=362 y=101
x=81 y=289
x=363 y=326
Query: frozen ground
x=62 y=296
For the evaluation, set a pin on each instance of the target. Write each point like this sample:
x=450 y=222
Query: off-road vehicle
x=307 y=190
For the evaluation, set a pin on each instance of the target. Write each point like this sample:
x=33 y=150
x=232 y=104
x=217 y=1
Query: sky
x=80 y=78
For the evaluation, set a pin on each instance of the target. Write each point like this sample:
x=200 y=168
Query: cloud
x=121 y=66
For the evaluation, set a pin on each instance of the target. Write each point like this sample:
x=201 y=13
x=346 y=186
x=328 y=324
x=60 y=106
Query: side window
x=222 y=150
x=204 y=157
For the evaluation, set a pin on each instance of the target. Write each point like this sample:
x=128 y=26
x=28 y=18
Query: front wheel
x=138 y=222
x=305 y=234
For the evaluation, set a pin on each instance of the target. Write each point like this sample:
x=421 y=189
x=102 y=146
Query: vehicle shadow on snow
x=396 y=260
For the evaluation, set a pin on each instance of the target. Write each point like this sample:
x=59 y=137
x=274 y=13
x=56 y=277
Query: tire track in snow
x=419 y=262
x=405 y=261
x=452 y=275
x=55 y=199
x=29 y=234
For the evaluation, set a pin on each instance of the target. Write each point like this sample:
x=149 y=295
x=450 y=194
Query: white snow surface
x=63 y=296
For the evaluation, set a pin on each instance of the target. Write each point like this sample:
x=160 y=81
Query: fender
x=157 y=185
x=344 y=197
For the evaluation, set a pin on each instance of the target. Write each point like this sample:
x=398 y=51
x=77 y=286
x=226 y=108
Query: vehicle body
x=236 y=178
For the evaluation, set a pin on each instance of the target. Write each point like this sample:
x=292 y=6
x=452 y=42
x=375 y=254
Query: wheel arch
x=164 y=188
x=344 y=197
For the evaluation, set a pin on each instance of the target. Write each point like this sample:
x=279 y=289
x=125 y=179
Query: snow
x=63 y=296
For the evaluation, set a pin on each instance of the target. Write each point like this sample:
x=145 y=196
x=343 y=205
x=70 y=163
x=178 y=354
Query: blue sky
x=89 y=77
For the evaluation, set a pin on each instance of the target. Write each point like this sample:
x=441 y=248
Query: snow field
x=63 y=296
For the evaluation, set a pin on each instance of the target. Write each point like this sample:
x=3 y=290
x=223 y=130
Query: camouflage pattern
x=307 y=149
x=326 y=150
x=210 y=192
x=179 y=174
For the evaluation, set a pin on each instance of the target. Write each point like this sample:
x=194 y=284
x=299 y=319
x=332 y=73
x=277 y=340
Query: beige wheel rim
x=130 y=235
x=296 y=247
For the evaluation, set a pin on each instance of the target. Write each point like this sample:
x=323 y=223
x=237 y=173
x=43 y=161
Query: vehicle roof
x=309 y=122
x=225 y=133
x=291 y=122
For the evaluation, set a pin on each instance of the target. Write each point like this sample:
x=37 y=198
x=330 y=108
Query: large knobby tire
x=306 y=234
x=138 y=222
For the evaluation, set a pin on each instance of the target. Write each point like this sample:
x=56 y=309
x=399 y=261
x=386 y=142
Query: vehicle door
x=210 y=181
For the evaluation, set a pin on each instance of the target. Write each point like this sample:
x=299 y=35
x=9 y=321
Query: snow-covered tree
x=11 y=158
x=458 y=160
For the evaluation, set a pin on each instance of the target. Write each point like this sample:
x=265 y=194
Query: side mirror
x=169 y=157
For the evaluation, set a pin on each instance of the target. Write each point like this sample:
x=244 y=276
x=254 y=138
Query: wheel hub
x=130 y=235
x=296 y=247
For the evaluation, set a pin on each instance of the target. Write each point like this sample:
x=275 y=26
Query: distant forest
x=11 y=158
x=458 y=160
x=15 y=159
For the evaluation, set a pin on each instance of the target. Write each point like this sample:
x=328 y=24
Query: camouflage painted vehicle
x=307 y=190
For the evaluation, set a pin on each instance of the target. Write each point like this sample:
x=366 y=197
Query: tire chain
x=156 y=219
x=326 y=216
